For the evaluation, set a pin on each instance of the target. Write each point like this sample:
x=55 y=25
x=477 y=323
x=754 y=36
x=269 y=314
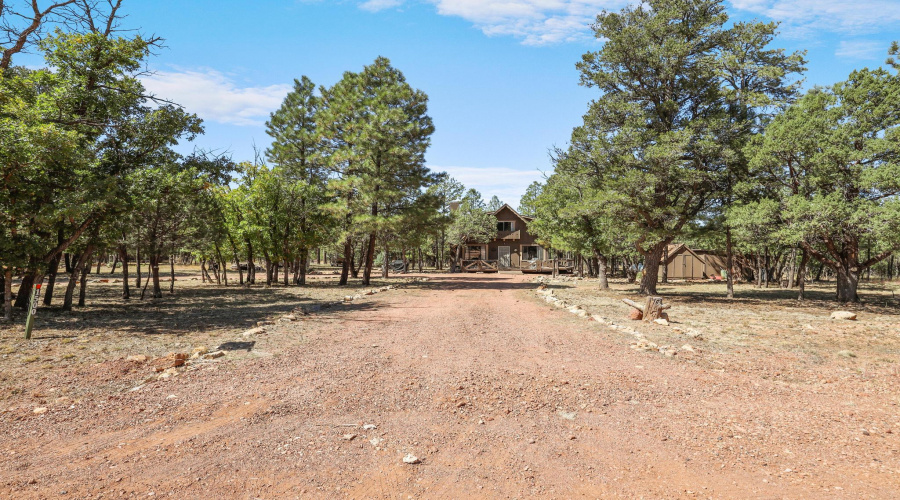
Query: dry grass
x=763 y=329
x=109 y=328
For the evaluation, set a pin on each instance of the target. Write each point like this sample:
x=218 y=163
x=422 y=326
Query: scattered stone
x=39 y=411
x=847 y=354
x=173 y=360
x=349 y=437
x=264 y=323
x=661 y=321
x=198 y=351
x=348 y=298
x=843 y=315
x=289 y=317
x=866 y=432
x=369 y=427
x=568 y=415
x=214 y=355
x=376 y=441
x=644 y=345
x=254 y=331
x=688 y=348
x=411 y=459
x=137 y=358
x=694 y=334
x=171 y=396
x=571 y=437
x=532 y=441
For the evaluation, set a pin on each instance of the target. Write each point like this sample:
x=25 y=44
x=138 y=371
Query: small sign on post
x=32 y=310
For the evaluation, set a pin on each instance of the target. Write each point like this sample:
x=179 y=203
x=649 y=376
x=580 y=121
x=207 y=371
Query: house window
x=504 y=225
x=531 y=252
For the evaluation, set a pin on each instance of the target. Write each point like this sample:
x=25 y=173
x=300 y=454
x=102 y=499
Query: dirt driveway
x=495 y=393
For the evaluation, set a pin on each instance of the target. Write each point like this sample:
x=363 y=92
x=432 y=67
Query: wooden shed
x=688 y=263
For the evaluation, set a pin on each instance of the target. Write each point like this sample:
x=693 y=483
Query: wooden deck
x=546 y=267
x=480 y=266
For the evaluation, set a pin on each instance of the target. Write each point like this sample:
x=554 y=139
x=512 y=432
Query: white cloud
x=507 y=183
x=804 y=17
x=536 y=22
x=215 y=97
x=377 y=5
x=860 y=50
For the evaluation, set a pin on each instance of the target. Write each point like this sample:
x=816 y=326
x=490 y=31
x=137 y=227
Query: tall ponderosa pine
x=296 y=149
x=377 y=131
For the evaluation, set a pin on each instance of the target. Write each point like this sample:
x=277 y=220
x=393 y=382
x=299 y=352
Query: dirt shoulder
x=495 y=392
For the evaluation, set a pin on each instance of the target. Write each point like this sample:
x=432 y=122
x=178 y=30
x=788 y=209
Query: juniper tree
x=834 y=156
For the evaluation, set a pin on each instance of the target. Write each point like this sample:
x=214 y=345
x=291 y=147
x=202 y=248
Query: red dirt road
x=496 y=393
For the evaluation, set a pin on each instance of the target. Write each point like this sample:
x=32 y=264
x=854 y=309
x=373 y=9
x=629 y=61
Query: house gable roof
x=524 y=218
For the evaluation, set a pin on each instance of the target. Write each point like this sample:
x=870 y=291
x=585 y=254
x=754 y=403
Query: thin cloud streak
x=506 y=183
x=215 y=97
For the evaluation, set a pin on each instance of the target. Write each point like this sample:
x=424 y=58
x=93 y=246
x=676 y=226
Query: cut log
x=634 y=304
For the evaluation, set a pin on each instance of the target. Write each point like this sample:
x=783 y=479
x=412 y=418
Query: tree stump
x=653 y=308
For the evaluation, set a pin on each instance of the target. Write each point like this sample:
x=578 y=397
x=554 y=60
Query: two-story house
x=514 y=248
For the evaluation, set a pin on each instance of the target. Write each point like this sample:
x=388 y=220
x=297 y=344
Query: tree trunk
x=154 y=272
x=123 y=256
x=729 y=264
x=345 y=267
x=369 y=259
x=99 y=263
x=801 y=274
x=269 y=268
x=51 y=280
x=303 y=264
x=759 y=270
x=7 y=293
x=23 y=296
x=137 y=279
x=601 y=270
x=172 y=274
x=73 y=277
x=82 y=289
x=251 y=267
x=847 y=284
x=115 y=264
x=766 y=277
x=386 y=263
x=665 y=265
x=651 y=268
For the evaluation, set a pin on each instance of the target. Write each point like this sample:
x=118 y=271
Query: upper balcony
x=509 y=235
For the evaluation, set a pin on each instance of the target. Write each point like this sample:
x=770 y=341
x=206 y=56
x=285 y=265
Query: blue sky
x=500 y=75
